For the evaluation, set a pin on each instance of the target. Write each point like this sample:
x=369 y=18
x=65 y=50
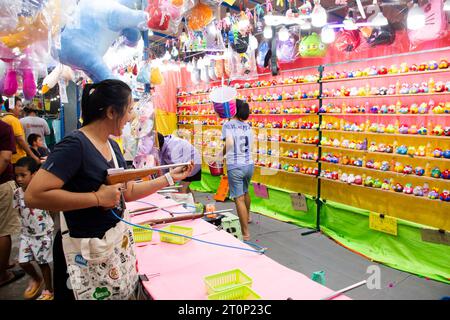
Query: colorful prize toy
x=419 y=171
x=402 y=149
x=436 y=173
x=433 y=194
x=408 y=188
x=418 y=191
x=445 y=174
x=407 y=169
x=445 y=195
x=446 y=154
x=437 y=153
x=398 y=187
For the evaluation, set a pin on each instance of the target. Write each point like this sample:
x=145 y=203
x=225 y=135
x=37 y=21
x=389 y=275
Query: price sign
x=260 y=191
x=383 y=223
x=436 y=236
x=299 y=202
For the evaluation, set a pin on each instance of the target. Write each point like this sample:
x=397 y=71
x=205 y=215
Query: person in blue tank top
x=238 y=137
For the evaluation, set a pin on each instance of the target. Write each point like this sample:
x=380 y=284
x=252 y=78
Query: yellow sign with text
x=383 y=223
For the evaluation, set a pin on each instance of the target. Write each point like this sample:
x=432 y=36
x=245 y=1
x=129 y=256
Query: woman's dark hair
x=29 y=163
x=33 y=138
x=97 y=97
x=160 y=140
x=242 y=110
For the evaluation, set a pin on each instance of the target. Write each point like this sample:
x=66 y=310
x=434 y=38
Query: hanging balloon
x=200 y=16
x=286 y=49
x=348 y=40
x=311 y=46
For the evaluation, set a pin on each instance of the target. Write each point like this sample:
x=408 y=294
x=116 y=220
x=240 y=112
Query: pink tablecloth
x=182 y=268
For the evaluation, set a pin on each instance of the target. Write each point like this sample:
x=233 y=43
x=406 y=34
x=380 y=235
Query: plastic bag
x=144 y=74
x=156 y=77
x=435 y=26
x=263 y=54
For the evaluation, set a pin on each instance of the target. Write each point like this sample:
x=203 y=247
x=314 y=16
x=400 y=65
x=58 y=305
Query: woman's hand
x=108 y=196
x=181 y=173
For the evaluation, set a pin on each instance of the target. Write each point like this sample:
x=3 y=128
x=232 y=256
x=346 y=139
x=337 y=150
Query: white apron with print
x=102 y=269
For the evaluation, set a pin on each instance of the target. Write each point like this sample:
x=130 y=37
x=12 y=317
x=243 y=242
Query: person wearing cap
x=11 y=117
x=32 y=123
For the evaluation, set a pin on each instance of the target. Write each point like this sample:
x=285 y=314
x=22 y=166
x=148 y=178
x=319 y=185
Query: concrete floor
x=307 y=254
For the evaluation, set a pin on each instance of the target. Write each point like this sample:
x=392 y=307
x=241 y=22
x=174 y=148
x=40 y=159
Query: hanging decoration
x=200 y=16
x=312 y=46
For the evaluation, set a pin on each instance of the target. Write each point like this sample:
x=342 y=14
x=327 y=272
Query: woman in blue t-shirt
x=72 y=180
x=238 y=137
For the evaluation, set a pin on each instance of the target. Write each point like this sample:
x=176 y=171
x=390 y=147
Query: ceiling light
x=416 y=17
x=380 y=20
x=268 y=34
x=283 y=34
x=447 y=5
x=318 y=15
x=306 y=25
x=327 y=35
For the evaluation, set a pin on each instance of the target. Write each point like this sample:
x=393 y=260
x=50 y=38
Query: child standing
x=36 y=237
x=238 y=137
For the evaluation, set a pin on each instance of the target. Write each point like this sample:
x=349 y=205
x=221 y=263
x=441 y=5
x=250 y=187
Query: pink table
x=181 y=268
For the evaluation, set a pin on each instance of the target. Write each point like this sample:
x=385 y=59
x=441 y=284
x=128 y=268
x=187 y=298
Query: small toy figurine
x=437 y=131
x=386 y=185
x=437 y=153
x=382 y=70
x=445 y=174
x=422 y=131
x=443 y=64
x=423 y=66
x=446 y=154
x=445 y=196
x=403 y=129
x=368 y=182
x=418 y=191
x=447 y=131
x=398 y=167
x=390 y=128
x=408 y=188
x=385 y=166
x=351 y=178
x=436 y=173
x=434 y=194
x=407 y=169
x=419 y=171
x=398 y=187
x=377 y=184
x=393 y=69
x=413 y=67
x=402 y=149
x=432 y=65
x=358 y=180
x=411 y=151
x=404 y=67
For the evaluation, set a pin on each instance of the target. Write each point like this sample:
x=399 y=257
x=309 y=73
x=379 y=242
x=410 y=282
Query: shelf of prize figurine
x=279 y=170
x=382 y=190
x=384 y=153
x=386 y=95
x=256 y=88
x=256 y=128
x=250 y=102
x=385 y=114
x=252 y=114
x=385 y=134
x=388 y=75
x=398 y=174
x=283 y=158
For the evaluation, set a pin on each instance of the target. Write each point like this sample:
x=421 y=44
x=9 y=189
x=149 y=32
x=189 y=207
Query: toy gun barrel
x=174 y=219
x=121 y=175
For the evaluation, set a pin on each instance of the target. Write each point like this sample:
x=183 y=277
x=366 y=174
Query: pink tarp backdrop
x=182 y=268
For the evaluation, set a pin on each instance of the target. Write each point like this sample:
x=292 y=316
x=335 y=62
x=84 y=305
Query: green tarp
x=350 y=227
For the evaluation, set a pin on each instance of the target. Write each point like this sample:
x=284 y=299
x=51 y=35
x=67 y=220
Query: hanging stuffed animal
x=199 y=17
x=101 y=22
x=348 y=40
x=435 y=23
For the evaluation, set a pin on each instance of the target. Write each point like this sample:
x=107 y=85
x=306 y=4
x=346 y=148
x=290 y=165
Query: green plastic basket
x=226 y=280
x=142 y=235
x=236 y=293
x=165 y=237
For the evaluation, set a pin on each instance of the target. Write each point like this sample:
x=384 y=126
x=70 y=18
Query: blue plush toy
x=101 y=22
